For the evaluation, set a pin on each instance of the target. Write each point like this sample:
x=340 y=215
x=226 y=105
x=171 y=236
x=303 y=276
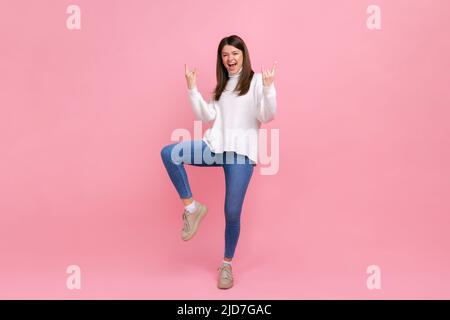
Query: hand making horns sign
x=268 y=76
x=190 y=76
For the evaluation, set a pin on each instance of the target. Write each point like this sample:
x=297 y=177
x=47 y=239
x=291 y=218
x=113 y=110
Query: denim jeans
x=238 y=171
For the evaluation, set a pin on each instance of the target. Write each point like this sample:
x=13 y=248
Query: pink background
x=364 y=150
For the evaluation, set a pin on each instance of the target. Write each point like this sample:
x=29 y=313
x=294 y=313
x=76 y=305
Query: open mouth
x=232 y=65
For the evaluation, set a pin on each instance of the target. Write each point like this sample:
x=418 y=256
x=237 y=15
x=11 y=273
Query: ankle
x=187 y=201
x=192 y=207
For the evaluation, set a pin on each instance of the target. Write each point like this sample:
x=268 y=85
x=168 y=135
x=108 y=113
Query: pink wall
x=364 y=174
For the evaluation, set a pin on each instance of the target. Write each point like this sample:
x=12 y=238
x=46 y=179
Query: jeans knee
x=166 y=152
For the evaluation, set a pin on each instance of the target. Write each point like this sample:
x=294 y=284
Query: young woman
x=241 y=101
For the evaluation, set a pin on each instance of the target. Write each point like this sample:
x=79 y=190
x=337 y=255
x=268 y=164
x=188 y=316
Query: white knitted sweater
x=237 y=119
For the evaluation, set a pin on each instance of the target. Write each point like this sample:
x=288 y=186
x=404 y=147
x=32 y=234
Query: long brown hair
x=246 y=74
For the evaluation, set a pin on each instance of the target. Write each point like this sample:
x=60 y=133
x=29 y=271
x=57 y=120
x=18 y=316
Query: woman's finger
x=273 y=67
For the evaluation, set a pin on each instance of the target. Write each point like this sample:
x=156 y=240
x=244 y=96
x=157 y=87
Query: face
x=232 y=58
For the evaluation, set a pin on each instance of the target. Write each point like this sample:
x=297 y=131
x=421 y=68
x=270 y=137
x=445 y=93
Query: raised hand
x=190 y=76
x=268 y=76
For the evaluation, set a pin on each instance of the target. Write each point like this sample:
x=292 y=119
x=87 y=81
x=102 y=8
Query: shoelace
x=187 y=225
x=225 y=272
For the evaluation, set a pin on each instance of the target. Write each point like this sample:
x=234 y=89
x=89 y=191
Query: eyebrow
x=231 y=52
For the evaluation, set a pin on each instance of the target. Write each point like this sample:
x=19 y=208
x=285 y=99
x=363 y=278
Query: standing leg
x=237 y=178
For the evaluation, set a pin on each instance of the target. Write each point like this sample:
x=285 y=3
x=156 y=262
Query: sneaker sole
x=201 y=215
x=224 y=286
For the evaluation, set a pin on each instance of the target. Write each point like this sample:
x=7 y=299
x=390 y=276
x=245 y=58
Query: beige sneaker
x=192 y=221
x=225 y=276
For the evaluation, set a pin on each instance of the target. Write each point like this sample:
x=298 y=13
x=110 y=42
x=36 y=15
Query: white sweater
x=236 y=118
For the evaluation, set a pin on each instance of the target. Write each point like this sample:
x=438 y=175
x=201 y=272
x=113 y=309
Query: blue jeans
x=238 y=170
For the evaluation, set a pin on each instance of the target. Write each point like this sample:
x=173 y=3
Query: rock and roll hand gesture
x=191 y=76
x=268 y=76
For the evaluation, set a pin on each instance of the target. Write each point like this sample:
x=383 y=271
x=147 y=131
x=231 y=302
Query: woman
x=241 y=101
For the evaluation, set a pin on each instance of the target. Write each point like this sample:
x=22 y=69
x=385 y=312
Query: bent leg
x=175 y=155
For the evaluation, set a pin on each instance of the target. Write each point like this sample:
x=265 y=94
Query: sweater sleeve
x=202 y=110
x=266 y=104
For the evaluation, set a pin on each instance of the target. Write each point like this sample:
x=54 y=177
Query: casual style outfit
x=231 y=143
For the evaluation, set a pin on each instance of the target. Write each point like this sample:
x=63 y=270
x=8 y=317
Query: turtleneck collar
x=237 y=74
